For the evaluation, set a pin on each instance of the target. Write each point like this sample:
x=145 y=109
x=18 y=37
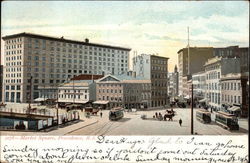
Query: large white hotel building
x=50 y=61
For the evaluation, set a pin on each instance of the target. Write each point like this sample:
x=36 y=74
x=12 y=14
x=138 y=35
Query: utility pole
x=188 y=54
x=192 y=111
x=73 y=92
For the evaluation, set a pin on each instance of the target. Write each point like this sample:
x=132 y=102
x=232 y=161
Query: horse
x=169 y=116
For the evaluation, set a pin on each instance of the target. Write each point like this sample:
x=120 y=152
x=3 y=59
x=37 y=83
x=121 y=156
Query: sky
x=149 y=27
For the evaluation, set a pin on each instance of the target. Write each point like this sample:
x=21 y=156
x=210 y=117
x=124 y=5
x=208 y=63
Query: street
x=132 y=124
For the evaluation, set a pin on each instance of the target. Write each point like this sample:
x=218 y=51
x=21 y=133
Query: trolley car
x=116 y=113
x=226 y=120
x=203 y=115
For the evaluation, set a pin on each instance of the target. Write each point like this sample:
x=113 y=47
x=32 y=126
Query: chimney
x=86 y=40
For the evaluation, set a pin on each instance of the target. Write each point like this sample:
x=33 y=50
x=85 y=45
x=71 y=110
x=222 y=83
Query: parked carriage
x=203 y=116
x=91 y=110
x=116 y=113
x=226 y=120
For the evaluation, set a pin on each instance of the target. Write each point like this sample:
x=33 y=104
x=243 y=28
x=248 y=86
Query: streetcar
x=116 y=113
x=203 y=116
x=226 y=120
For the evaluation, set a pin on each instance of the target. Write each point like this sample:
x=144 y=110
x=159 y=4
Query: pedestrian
x=156 y=115
x=180 y=121
x=101 y=114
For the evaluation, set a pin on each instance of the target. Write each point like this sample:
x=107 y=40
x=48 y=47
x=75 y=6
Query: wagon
x=91 y=111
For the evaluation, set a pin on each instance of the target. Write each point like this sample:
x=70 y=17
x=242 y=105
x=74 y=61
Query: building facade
x=199 y=85
x=192 y=63
x=173 y=83
x=50 y=60
x=234 y=92
x=74 y=92
x=1 y=82
x=232 y=52
x=125 y=91
x=154 y=68
x=214 y=69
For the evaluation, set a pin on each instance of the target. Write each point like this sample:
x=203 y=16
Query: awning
x=203 y=100
x=234 y=108
x=101 y=102
x=40 y=99
x=73 y=105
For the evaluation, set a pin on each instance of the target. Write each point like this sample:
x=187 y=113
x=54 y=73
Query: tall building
x=235 y=51
x=154 y=68
x=39 y=60
x=192 y=63
x=1 y=82
x=173 y=83
x=199 y=85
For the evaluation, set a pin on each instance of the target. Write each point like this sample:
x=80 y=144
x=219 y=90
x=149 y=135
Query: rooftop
x=62 y=39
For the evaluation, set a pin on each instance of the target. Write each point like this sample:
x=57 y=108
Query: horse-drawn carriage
x=91 y=111
x=3 y=105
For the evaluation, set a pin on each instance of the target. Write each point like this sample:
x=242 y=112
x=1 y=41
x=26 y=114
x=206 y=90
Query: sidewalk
x=60 y=131
x=70 y=128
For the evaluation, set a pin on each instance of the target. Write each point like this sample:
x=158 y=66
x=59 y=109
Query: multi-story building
x=199 y=85
x=74 y=92
x=214 y=68
x=1 y=82
x=64 y=93
x=50 y=60
x=234 y=93
x=173 y=83
x=235 y=51
x=154 y=68
x=192 y=63
x=123 y=90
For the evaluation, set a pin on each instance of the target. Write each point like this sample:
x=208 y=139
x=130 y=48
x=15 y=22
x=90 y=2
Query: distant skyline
x=151 y=27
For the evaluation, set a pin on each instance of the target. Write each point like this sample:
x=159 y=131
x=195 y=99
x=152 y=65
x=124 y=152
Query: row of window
x=213 y=75
x=13 y=80
x=14 y=69
x=69 y=55
x=16 y=40
x=63 y=96
x=63 y=44
x=231 y=99
x=112 y=99
x=212 y=67
x=109 y=91
x=214 y=97
x=12 y=96
x=230 y=86
x=14 y=58
x=156 y=61
x=13 y=52
x=13 y=75
x=159 y=68
x=13 y=87
x=213 y=86
x=14 y=46
x=13 y=63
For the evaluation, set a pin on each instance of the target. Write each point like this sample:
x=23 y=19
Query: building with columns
x=52 y=60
